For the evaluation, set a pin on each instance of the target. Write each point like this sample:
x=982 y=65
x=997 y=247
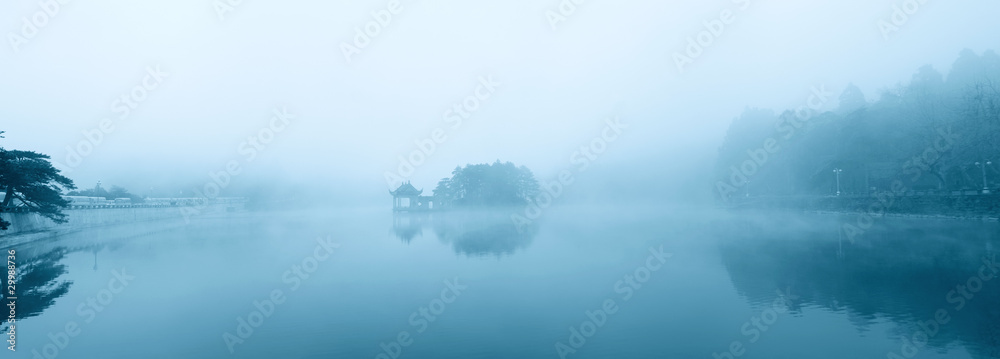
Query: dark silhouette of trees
x=499 y=183
x=876 y=142
x=30 y=179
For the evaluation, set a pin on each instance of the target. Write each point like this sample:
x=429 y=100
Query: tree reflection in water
x=900 y=271
x=37 y=283
x=473 y=233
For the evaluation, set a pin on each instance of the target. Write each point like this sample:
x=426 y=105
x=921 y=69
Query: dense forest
x=499 y=183
x=938 y=134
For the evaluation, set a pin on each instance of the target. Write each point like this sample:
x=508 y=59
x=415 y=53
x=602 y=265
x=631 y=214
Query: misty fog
x=353 y=120
x=533 y=179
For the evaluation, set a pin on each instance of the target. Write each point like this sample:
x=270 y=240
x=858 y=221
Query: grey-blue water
x=594 y=282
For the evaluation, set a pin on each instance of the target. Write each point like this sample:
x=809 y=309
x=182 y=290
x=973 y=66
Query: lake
x=579 y=282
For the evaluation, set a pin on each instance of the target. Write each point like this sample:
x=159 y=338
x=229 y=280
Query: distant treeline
x=114 y=193
x=927 y=135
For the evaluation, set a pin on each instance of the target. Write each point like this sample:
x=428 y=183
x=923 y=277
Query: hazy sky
x=353 y=119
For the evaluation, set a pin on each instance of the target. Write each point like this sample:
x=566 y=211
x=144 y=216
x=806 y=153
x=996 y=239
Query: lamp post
x=982 y=166
x=837 y=171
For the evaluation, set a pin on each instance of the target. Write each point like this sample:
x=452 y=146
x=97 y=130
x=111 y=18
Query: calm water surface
x=582 y=282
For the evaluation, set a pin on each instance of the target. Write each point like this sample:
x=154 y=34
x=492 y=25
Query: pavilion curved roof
x=406 y=189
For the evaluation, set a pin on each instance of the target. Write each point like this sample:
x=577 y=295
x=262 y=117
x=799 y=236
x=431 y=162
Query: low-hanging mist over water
x=566 y=179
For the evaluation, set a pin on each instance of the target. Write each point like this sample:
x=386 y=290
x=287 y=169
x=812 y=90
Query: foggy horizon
x=564 y=179
x=225 y=75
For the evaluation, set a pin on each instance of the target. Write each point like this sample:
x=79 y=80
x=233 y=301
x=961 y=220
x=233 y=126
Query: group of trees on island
x=938 y=132
x=496 y=184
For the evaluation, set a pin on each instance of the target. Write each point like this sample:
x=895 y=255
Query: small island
x=499 y=184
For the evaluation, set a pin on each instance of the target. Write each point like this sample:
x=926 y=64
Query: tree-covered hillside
x=938 y=132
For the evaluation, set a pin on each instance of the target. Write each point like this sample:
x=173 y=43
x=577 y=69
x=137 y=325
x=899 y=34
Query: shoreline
x=982 y=207
x=30 y=227
x=983 y=218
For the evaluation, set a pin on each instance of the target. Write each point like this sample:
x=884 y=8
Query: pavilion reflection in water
x=407 y=226
x=474 y=233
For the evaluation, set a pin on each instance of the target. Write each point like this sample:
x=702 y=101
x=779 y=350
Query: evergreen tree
x=28 y=179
